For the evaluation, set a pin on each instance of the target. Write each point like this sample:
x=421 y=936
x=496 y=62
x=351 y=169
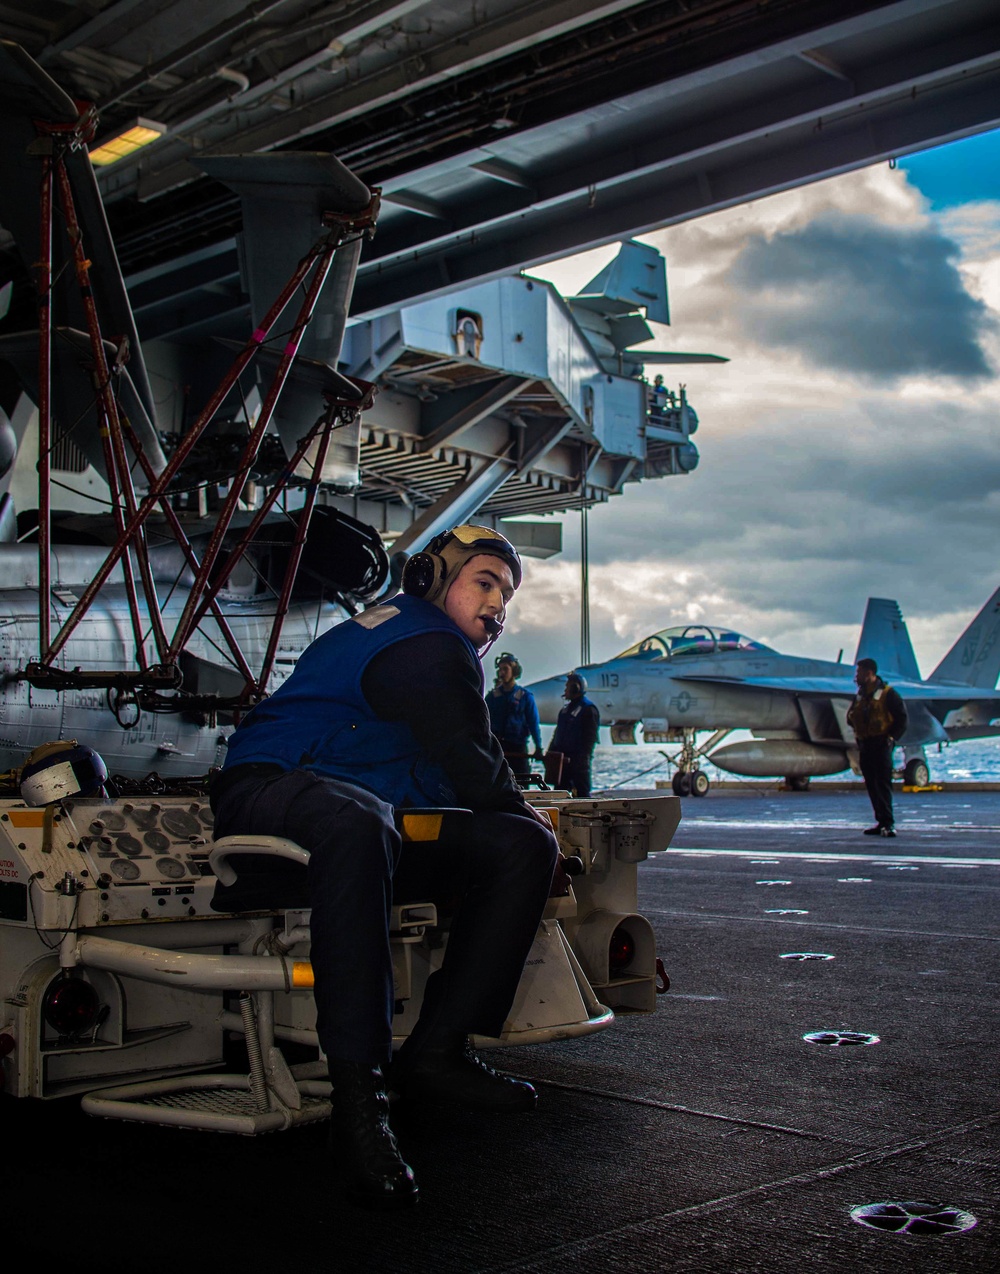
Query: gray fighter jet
x=698 y=677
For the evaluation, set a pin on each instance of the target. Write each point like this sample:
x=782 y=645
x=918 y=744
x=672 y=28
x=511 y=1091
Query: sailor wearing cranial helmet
x=383 y=712
x=514 y=715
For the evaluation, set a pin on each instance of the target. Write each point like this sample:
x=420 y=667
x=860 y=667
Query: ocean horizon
x=973 y=760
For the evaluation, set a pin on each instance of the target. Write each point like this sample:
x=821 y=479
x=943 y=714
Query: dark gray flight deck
x=708 y=1137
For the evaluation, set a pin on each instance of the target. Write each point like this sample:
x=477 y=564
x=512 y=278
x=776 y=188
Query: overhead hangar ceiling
x=503 y=132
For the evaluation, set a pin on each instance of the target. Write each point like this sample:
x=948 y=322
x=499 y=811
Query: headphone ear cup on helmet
x=419 y=574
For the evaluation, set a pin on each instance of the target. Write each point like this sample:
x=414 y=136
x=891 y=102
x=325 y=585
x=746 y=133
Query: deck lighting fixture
x=139 y=133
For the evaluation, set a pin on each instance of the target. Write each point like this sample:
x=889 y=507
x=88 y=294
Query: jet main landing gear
x=916 y=772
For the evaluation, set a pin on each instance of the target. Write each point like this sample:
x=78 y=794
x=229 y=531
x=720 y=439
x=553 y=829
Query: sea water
x=623 y=765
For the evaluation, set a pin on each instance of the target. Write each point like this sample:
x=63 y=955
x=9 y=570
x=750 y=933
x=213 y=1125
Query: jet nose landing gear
x=690 y=783
x=688 y=779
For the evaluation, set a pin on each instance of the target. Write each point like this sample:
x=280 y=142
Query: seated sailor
x=382 y=712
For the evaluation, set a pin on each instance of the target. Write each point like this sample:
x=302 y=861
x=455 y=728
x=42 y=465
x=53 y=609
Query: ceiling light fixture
x=126 y=142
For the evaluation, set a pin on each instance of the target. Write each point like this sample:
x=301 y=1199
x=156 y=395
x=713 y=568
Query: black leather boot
x=439 y=1066
x=362 y=1142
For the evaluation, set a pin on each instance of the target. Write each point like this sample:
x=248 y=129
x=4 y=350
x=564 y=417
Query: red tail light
x=621 y=950
x=71 y=1006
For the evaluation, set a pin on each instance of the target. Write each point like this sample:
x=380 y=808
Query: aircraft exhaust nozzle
x=778 y=758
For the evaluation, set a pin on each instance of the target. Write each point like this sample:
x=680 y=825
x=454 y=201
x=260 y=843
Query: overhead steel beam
x=111 y=15
x=422 y=206
x=613 y=154
x=431 y=61
x=705 y=182
x=541 y=440
x=479 y=402
x=457 y=504
x=505 y=173
x=910 y=72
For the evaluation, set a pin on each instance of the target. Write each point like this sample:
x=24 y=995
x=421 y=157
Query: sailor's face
x=505 y=673
x=481 y=591
x=572 y=690
x=863 y=677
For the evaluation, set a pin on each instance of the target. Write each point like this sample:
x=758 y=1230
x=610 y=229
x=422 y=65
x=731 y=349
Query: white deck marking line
x=834 y=825
x=888 y=859
x=819 y=924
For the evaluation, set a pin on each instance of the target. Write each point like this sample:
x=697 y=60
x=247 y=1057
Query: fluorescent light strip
x=127 y=142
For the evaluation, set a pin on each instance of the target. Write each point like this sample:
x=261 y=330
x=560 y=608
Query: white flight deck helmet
x=59 y=769
x=430 y=573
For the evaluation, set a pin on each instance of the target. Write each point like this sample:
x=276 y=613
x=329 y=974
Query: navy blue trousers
x=875 y=757
x=576 y=774
x=498 y=879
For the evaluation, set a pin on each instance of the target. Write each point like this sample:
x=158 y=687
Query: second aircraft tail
x=884 y=638
x=974 y=660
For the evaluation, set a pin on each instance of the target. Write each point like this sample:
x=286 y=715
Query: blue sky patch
x=959 y=172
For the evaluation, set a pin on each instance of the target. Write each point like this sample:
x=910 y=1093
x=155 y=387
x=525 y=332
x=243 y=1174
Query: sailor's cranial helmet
x=430 y=573
x=505 y=657
x=62 y=768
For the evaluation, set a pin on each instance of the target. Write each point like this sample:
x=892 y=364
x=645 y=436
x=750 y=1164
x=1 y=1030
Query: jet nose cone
x=548 y=697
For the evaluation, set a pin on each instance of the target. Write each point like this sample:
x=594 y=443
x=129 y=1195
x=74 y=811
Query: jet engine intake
x=623 y=731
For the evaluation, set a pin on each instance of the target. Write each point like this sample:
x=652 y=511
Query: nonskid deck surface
x=711 y=1137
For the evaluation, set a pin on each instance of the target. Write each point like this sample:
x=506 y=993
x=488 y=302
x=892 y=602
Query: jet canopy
x=693 y=639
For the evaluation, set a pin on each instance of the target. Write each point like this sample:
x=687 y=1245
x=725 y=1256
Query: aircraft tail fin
x=885 y=638
x=974 y=660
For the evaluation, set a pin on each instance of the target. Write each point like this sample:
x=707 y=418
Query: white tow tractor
x=120 y=983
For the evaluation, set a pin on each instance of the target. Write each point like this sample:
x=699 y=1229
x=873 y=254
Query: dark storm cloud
x=883 y=498
x=859 y=296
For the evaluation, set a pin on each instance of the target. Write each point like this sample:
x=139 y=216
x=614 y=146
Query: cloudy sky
x=851 y=447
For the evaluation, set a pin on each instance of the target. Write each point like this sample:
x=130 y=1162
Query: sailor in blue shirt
x=514 y=715
x=382 y=712
x=577 y=728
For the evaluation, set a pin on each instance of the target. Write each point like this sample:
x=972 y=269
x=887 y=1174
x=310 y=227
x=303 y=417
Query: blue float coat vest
x=513 y=715
x=319 y=719
x=576 y=728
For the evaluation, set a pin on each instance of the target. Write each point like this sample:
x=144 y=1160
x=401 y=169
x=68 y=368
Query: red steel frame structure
x=131 y=513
